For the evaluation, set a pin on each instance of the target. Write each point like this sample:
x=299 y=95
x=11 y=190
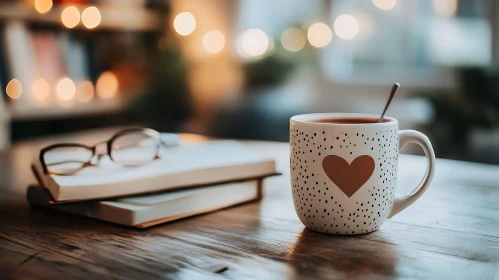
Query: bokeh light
x=40 y=91
x=293 y=39
x=14 y=89
x=91 y=17
x=43 y=6
x=385 y=4
x=85 y=92
x=65 y=89
x=445 y=8
x=70 y=17
x=346 y=27
x=107 y=85
x=319 y=35
x=184 y=23
x=253 y=43
x=213 y=41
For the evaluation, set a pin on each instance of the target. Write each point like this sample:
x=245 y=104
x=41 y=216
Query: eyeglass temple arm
x=169 y=139
x=66 y=161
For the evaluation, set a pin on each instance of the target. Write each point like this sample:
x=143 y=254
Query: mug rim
x=308 y=119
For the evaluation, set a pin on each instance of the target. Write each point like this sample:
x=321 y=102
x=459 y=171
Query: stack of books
x=186 y=180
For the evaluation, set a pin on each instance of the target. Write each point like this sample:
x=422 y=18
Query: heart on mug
x=348 y=177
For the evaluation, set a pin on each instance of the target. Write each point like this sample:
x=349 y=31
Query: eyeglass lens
x=134 y=148
x=63 y=160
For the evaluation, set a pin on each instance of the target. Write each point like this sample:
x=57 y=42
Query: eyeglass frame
x=148 y=131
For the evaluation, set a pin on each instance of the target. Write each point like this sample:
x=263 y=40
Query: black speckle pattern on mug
x=319 y=203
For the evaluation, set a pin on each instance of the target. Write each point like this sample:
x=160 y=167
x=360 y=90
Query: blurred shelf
x=54 y=111
x=112 y=17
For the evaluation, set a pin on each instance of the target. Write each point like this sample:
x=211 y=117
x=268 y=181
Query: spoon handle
x=394 y=90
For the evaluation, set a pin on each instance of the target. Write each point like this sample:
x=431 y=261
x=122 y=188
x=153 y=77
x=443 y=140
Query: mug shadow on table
x=329 y=256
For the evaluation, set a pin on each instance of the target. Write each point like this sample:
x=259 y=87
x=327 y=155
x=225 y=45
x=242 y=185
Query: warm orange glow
x=346 y=27
x=184 y=23
x=293 y=39
x=319 y=35
x=43 y=6
x=445 y=8
x=385 y=4
x=40 y=91
x=107 y=85
x=65 y=89
x=85 y=92
x=91 y=17
x=70 y=17
x=214 y=41
x=14 y=89
x=211 y=81
x=253 y=43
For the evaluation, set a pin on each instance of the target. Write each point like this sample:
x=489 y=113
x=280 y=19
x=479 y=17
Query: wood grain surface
x=452 y=232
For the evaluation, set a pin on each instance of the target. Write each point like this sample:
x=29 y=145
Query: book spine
x=19 y=50
x=40 y=197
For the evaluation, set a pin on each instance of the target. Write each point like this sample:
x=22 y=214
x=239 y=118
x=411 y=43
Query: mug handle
x=411 y=136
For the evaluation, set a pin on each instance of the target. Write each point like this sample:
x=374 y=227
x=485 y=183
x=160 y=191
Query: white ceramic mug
x=344 y=175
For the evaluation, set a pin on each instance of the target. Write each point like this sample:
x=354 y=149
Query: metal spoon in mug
x=394 y=90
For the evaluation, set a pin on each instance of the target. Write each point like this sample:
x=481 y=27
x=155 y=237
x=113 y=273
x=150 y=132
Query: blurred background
x=241 y=68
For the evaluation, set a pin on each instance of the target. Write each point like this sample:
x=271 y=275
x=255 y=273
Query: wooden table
x=452 y=232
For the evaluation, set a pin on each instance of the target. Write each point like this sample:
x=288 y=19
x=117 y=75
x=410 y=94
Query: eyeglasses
x=130 y=147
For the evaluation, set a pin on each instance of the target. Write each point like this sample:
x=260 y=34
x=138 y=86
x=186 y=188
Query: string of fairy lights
x=255 y=43
x=70 y=15
x=66 y=90
x=251 y=44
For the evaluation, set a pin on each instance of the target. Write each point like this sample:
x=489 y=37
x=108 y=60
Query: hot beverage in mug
x=344 y=170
